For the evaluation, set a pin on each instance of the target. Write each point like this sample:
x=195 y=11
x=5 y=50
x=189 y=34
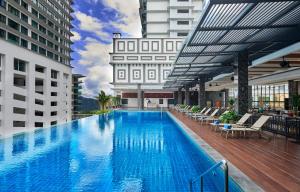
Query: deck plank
x=273 y=163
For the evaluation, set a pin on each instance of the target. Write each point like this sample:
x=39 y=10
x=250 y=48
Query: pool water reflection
x=122 y=151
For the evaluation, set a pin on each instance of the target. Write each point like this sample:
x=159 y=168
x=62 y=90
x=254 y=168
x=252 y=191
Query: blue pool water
x=122 y=151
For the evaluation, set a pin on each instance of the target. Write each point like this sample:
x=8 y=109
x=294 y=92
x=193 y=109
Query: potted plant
x=229 y=117
x=231 y=103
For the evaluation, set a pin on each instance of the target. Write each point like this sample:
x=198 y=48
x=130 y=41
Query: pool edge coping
x=240 y=178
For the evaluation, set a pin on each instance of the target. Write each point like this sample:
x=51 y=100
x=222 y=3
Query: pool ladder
x=214 y=167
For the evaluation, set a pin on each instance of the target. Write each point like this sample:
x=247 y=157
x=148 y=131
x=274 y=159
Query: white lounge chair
x=190 y=114
x=196 y=115
x=256 y=127
x=240 y=122
x=213 y=114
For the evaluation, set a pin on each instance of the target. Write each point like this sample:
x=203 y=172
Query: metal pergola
x=227 y=27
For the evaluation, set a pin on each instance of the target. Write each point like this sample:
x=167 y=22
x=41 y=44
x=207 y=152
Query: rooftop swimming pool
x=121 y=151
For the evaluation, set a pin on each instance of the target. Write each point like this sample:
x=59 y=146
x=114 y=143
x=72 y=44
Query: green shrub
x=195 y=109
x=97 y=112
x=230 y=116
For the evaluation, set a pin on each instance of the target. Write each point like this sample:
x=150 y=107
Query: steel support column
x=140 y=97
x=242 y=61
x=187 y=95
x=226 y=97
x=293 y=90
x=201 y=94
x=179 y=95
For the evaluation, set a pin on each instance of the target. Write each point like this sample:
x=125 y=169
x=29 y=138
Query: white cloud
x=95 y=56
x=76 y=36
x=129 y=18
x=92 y=24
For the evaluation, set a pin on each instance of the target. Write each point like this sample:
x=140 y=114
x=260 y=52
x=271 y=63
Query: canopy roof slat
x=227 y=27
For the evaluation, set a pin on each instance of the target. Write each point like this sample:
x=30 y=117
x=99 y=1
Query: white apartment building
x=35 y=71
x=141 y=65
x=168 y=18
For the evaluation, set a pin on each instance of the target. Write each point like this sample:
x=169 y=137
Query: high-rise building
x=168 y=18
x=76 y=95
x=36 y=78
x=142 y=65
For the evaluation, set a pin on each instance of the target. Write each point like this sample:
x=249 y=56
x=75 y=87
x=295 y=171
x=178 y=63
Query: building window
x=155 y=46
x=121 y=46
x=136 y=74
x=182 y=34
x=53 y=122
x=42 y=29
x=13 y=38
x=53 y=113
x=34 y=47
x=24 y=30
x=19 y=81
x=19 y=65
x=38 y=124
x=161 y=101
x=131 y=46
x=183 y=11
x=183 y=22
x=53 y=94
x=169 y=46
x=39 y=86
x=13 y=11
x=2 y=34
x=18 y=110
x=269 y=96
x=19 y=123
x=124 y=101
x=145 y=46
x=19 y=97
x=53 y=103
x=42 y=40
x=39 y=69
x=2 y=19
x=24 y=18
x=121 y=74
x=13 y=24
x=165 y=74
x=25 y=5
x=34 y=24
x=39 y=102
x=53 y=84
x=39 y=113
x=24 y=43
x=34 y=12
x=42 y=51
x=54 y=74
x=151 y=74
x=34 y=35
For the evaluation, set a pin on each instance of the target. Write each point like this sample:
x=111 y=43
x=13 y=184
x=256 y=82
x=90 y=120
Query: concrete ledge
x=237 y=175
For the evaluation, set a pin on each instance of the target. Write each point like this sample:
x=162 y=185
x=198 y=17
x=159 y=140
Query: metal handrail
x=226 y=180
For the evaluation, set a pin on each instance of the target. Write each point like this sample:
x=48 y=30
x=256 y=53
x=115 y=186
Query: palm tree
x=103 y=99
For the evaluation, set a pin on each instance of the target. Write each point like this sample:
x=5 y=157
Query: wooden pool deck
x=271 y=162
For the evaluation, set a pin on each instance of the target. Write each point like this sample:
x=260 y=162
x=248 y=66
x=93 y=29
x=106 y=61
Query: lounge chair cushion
x=227 y=126
x=216 y=122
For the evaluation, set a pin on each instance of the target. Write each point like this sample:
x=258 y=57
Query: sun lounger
x=203 y=117
x=196 y=115
x=240 y=122
x=256 y=127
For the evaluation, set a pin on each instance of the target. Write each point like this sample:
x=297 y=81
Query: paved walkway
x=274 y=164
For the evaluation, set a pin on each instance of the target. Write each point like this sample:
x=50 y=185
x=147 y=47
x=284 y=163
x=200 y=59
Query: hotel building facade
x=142 y=65
x=36 y=75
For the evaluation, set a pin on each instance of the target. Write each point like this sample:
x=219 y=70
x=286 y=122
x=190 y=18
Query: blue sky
x=94 y=22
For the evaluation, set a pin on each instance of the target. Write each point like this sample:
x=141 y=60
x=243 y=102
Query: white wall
x=9 y=52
